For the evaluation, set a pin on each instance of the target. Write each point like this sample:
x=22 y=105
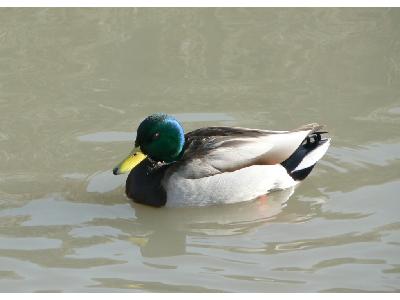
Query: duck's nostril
x=115 y=171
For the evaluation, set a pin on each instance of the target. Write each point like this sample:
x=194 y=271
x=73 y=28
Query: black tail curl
x=311 y=142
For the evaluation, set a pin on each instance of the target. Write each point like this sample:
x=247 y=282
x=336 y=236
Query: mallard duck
x=216 y=165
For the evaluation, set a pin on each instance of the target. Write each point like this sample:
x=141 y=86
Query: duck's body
x=218 y=165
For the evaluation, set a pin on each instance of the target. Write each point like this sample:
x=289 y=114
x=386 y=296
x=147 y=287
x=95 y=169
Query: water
x=75 y=83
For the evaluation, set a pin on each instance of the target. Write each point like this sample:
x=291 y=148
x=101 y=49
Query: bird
x=216 y=165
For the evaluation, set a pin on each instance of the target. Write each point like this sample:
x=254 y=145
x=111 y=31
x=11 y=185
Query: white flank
x=230 y=187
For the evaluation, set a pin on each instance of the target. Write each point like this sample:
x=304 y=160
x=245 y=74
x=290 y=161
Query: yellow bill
x=130 y=162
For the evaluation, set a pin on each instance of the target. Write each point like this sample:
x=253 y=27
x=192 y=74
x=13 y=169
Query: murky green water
x=75 y=83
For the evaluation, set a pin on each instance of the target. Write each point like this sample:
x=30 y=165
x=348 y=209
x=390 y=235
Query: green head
x=160 y=137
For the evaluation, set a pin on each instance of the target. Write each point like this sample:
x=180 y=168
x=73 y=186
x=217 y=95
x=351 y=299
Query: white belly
x=230 y=187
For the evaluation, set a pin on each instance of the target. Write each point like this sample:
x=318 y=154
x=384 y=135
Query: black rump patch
x=311 y=142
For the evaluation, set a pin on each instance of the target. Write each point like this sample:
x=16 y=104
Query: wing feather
x=212 y=150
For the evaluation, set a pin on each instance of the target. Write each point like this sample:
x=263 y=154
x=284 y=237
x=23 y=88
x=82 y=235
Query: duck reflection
x=166 y=229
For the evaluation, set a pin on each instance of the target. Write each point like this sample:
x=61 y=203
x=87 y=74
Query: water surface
x=75 y=83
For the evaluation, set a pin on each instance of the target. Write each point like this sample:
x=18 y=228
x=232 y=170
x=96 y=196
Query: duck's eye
x=155 y=136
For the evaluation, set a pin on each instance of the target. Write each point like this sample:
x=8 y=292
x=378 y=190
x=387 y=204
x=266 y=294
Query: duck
x=216 y=165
